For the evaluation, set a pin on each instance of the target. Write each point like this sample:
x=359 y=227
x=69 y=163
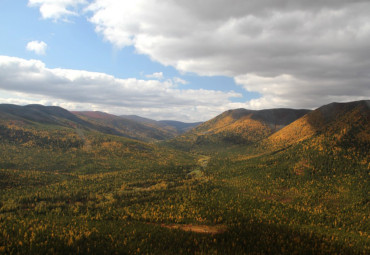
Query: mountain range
x=125 y=126
x=271 y=127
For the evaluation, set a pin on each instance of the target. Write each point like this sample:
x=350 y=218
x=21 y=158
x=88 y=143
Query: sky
x=186 y=60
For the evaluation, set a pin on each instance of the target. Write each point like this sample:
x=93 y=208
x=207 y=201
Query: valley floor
x=224 y=204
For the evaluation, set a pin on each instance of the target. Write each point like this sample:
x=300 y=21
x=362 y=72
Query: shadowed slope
x=41 y=114
x=146 y=131
x=171 y=125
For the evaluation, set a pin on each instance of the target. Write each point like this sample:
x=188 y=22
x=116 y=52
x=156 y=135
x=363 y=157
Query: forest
x=68 y=189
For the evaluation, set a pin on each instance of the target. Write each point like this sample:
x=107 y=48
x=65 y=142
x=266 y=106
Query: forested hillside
x=178 y=127
x=149 y=131
x=130 y=128
x=236 y=127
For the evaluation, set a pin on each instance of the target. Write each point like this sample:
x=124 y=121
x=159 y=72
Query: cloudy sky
x=183 y=59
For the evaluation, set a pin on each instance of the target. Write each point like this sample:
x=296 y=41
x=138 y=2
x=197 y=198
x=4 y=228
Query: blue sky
x=75 y=45
x=178 y=60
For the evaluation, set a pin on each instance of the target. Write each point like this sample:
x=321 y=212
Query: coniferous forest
x=277 y=181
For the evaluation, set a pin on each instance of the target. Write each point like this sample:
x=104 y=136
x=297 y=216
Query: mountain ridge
x=145 y=131
x=179 y=126
x=239 y=126
x=327 y=120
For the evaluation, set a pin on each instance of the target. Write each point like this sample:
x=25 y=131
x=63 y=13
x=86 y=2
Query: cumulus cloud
x=78 y=89
x=37 y=47
x=57 y=9
x=178 y=80
x=286 y=90
x=158 y=76
x=295 y=53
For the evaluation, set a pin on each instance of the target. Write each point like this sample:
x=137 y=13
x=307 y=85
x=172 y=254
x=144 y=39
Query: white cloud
x=285 y=90
x=57 y=9
x=38 y=47
x=158 y=76
x=178 y=80
x=31 y=81
x=300 y=53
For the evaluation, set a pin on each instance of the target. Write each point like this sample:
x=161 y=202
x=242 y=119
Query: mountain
x=333 y=139
x=181 y=127
x=39 y=114
x=339 y=121
x=177 y=126
x=138 y=119
x=133 y=128
x=54 y=116
x=239 y=126
x=51 y=116
x=52 y=138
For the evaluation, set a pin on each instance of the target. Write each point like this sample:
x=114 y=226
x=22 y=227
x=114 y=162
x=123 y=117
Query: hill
x=239 y=126
x=341 y=122
x=180 y=127
x=172 y=125
x=52 y=138
x=133 y=128
x=332 y=139
x=50 y=117
x=39 y=115
x=138 y=119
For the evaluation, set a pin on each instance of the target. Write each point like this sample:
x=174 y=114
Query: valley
x=278 y=181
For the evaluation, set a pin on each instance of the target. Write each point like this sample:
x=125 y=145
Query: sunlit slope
x=240 y=126
x=333 y=139
x=341 y=123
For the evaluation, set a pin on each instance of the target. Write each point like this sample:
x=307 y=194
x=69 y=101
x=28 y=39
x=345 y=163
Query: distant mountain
x=240 y=126
x=181 y=127
x=177 y=126
x=142 y=130
x=134 y=127
x=138 y=119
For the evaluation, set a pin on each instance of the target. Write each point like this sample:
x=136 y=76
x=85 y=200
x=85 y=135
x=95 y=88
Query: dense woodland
x=241 y=187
